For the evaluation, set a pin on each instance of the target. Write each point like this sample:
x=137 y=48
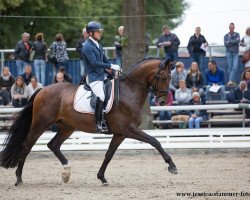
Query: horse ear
x=172 y=65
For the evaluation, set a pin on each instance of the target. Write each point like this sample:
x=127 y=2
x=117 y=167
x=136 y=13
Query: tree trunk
x=134 y=22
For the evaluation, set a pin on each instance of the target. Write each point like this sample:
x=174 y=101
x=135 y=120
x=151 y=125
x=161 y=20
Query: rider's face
x=97 y=35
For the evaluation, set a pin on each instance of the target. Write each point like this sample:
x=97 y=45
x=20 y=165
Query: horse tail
x=16 y=136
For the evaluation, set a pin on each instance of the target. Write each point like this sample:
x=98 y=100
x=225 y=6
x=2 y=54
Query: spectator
x=194 y=79
x=22 y=52
x=59 y=77
x=196 y=45
x=164 y=115
x=6 y=81
x=19 y=93
x=66 y=76
x=215 y=76
x=182 y=95
x=237 y=94
x=246 y=76
x=79 y=45
x=147 y=37
x=196 y=116
x=27 y=74
x=119 y=40
x=40 y=48
x=177 y=74
x=245 y=42
x=170 y=42
x=33 y=86
x=231 y=42
x=59 y=50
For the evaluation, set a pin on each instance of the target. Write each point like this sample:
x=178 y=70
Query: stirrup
x=102 y=127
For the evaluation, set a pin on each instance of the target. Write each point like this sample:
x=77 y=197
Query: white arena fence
x=173 y=138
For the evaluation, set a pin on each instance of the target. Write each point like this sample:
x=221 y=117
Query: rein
x=156 y=76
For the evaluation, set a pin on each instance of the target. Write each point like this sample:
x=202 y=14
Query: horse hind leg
x=64 y=132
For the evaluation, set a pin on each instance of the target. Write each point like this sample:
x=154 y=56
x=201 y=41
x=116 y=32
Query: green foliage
x=73 y=15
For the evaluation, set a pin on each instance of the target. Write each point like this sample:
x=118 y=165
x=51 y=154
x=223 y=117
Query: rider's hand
x=116 y=67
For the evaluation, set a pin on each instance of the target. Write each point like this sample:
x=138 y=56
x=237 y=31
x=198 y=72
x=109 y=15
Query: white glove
x=116 y=67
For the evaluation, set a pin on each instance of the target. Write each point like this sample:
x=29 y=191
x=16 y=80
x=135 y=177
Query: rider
x=96 y=64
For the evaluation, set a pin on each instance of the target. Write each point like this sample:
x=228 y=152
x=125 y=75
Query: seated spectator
x=246 y=76
x=237 y=94
x=6 y=82
x=177 y=74
x=164 y=115
x=194 y=79
x=215 y=76
x=66 y=76
x=59 y=78
x=19 y=93
x=182 y=95
x=196 y=116
x=33 y=86
x=27 y=74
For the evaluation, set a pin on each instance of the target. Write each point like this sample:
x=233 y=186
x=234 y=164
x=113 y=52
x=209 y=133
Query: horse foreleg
x=55 y=144
x=114 y=144
x=138 y=134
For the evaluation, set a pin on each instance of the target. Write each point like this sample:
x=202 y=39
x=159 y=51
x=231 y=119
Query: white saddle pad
x=82 y=100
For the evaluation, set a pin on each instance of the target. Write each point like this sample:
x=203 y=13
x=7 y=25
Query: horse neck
x=139 y=75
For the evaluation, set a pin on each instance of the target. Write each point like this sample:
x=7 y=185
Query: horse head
x=159 y=80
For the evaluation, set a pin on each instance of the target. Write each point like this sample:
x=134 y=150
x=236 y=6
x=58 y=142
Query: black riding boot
x=99 y=117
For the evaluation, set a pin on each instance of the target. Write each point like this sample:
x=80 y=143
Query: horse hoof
x=18 y=183
x=106 y=184
x=172 y=169
x=66 y=173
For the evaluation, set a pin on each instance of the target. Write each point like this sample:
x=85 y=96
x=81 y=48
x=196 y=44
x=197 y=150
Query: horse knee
x=52 y=146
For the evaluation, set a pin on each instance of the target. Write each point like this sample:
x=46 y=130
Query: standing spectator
x=6 y=82
x=231 y=42
x=119 y=39
x=177 y=74
x=215 y=76
x=194 y=79
x=19 y=93
x=246 y=76
x=245 y=42
x=59 y=50
x=79 y=45
x=237 y=94
x=40 y=48
x=33 y=86
x=170 y=42
x=66 y=76
x=147 y=37
x=27 y=74
x=196 y=46
x=22 y=52
x=196 y=116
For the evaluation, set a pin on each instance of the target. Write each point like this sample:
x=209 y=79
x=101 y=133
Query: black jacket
x=194 y=44
x=200 y=113
x=21 y=53
x=190 y=83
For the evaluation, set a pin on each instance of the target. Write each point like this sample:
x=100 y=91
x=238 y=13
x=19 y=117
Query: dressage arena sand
x=132 y=175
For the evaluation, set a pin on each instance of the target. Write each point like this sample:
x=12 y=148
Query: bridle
x=156 y=77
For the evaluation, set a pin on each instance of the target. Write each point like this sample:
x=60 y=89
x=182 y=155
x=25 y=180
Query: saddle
x=107 y=88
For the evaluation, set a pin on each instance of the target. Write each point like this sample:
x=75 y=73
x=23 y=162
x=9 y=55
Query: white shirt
x=96 y=43
x=31 y=90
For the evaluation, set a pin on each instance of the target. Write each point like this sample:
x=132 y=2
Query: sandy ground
x=135 y=176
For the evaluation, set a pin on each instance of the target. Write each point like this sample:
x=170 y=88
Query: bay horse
x=54 y=104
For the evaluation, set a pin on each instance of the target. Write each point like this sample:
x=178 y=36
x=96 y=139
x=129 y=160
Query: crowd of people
x=193 y=86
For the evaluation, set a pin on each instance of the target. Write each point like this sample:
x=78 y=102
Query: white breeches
x=97 y=88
